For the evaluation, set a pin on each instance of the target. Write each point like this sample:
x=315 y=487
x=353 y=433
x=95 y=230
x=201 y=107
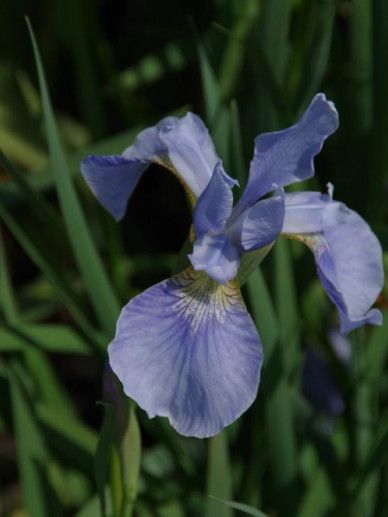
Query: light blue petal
x=309 y=212
x=347 y=254
x=181 y=145
x=214 y=205
x=148 y=144
x=191 y=151
x=262 y=223
x=112 y=179
x=188 y=350
x=217 y=256
x=284 y=157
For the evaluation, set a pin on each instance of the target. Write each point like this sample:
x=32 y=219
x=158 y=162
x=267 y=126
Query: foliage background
x=245 y=66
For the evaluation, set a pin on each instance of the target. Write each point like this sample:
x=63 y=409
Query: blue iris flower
x=186 y=348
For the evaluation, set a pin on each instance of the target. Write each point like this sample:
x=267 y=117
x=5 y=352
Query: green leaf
x=287 y=305
x=51 y=338
x=219 y=475
x=250 y=262
x=49 y=388
x=237 y=159
x=217 y=115
x=235 y=51
x=52 y=228
x=90 y=509
x=72 y=440
x=130 y=456
x=263 y=311
x=32 y=455
x=376 y=352
x=103 y=456
x=244 y=508
x=317 y=36
x=96 y=281
x=7 y=298
x=56 y=276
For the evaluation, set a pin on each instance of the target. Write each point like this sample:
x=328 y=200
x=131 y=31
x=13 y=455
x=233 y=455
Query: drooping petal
x=347 y=254
x=319 y=386
x=187 y=349
x=112 y=179
x=191 y=151
x=181 y=145
x=260 y=224
x=284 y=157
x=214 y=205
x=217 y=256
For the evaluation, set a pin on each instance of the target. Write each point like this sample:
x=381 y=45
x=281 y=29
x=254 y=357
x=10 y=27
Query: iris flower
x=187 y=348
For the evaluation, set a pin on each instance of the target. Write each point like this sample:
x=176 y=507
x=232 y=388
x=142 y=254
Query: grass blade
x=244 y=508
x=55 y=276
x=31 y=450
x=130 y=456
x=96 y=280
x=103 y=454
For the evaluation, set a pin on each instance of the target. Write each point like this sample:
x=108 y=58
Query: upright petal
x=191 y=151
x=286 y=156
x=347 y=254
x=187 y=349
x=217 y=256
x=113 y=178
x=214 y=205
x=181 y=145
x=258 y=225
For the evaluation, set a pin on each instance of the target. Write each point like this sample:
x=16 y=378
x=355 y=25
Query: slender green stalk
x=219 y=482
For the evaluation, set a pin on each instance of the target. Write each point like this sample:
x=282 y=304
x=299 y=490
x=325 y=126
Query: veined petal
x=187 y=349
x=191 y=151
x=309 y=212
x=262 y=222
x=112 y=179
x=217 y=256
x=148 y=145
x=347 y=254
x=181 y=145
x=214 y=205
x=286 y=156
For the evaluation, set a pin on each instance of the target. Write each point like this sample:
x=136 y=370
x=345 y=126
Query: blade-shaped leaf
x=244 y=508
x=96 y=280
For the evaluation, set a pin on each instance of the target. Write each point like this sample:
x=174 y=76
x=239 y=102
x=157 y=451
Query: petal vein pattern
x=187 y=349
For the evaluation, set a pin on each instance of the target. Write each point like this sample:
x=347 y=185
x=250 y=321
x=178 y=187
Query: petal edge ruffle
x=187 y=349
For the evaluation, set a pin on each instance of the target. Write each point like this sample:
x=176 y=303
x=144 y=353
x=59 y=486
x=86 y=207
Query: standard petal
x=260 y=224
x=181 y=145
x=187 y=349
x=191 y=151
x=148 y=145
x=347 y=254
x=214 y=205
x=112 y=179
x=215 y=255
x=284 y=157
